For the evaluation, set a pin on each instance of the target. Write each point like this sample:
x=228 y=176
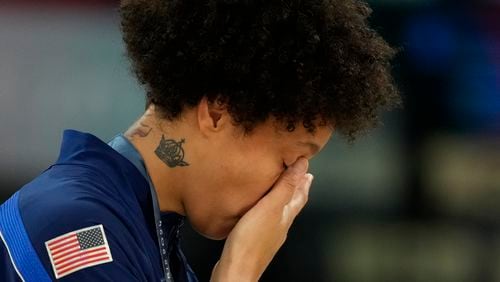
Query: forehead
x=271 y=130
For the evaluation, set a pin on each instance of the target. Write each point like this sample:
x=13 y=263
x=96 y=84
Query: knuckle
x=301 y=202
x=305 y=198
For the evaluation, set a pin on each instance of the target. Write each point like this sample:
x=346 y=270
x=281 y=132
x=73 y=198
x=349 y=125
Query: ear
x=212 y=116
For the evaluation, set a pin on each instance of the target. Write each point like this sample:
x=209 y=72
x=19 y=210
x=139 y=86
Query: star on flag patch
x=78 y=249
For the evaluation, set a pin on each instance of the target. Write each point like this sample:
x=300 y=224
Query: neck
x=162 y=147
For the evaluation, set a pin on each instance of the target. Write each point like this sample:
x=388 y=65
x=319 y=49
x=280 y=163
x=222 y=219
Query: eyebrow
x=312 y=146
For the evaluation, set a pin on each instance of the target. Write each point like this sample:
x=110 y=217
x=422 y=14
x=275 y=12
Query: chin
x=215 y=231
x=215 y=236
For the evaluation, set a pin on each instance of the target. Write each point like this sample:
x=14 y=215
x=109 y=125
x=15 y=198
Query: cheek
x=249 y=170
x=248 y=184
x=231 y=180
x=236 y=182
x=228 y=194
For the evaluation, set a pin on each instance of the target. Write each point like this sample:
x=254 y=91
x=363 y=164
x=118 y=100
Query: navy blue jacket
x=91 y=184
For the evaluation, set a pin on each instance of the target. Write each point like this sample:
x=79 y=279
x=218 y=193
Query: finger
x=287 y=184
x=299 y=198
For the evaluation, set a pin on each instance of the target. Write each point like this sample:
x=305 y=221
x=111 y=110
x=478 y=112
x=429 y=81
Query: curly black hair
x=299 y=61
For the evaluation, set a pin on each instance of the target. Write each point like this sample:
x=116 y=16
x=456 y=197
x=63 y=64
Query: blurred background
x=416 y=200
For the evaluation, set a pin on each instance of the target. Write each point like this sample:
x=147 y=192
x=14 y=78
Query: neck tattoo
x=171 y=152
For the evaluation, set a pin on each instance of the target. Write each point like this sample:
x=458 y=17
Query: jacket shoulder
x=68 y=199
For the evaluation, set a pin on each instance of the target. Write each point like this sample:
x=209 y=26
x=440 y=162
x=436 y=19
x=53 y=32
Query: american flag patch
x=78 y=249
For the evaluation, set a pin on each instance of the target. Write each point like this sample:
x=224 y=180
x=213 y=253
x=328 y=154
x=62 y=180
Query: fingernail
x=301 y=165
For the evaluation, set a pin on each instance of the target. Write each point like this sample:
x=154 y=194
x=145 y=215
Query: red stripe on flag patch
x=78 y=249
